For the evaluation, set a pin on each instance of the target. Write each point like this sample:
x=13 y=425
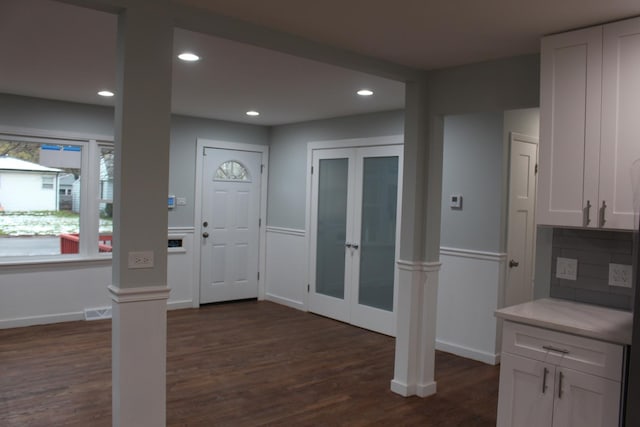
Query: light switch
x=566 y=268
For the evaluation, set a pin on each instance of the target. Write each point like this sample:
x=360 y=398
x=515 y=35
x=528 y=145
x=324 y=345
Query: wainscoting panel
x=468 y=295
x=286 y=275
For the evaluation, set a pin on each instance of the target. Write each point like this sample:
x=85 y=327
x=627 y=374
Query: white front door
x=230 y=225
x=521 y=223
x=354 y=235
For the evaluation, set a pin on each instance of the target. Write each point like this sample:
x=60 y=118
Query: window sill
x=22 y=263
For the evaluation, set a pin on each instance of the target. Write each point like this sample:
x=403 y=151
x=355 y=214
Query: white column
x=142 y=124
x=419 y=249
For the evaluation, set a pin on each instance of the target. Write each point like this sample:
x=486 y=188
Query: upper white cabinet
x=590 y=137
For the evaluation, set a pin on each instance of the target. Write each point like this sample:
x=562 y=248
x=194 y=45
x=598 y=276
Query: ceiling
x=59 y=51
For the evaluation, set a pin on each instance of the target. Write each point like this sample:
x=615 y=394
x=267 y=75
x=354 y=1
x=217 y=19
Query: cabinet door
x=584 y=400
x=620 y=124
x=570 y=99
x=526 y=392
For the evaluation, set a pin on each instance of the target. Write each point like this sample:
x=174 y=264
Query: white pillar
x=419 y=249
x=142 y=124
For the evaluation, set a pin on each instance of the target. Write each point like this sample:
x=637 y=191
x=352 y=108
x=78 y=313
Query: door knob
x=205 y=234
x=513 y=263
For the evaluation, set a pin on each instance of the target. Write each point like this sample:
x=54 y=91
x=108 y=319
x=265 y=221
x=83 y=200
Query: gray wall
x=35 y=113
x=472 y=167
x=184 y=134
x=594 y=250
x=288 y=158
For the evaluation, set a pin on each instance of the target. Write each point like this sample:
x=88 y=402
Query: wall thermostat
x=171 y=202
x=455 y=201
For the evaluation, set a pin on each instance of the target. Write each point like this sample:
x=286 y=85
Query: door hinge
x=258 y=275
x=261 y=168
x=204 y=151
x=308 y=288
x=311 y=170
x=259 y=222
x=536 y=169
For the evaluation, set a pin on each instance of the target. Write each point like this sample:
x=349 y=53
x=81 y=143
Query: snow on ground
x=43 y=224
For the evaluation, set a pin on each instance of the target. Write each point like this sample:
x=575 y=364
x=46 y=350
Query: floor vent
x=97 y=313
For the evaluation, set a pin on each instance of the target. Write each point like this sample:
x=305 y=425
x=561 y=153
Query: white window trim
x=89 y=207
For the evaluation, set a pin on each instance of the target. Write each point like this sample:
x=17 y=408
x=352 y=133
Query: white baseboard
x=285 y=301
x=469 y=353
x=177 y=305
x=41 y=320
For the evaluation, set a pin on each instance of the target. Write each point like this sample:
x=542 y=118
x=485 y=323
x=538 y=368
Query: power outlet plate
x=142 y=259
x=620 y=275
x=567 y=268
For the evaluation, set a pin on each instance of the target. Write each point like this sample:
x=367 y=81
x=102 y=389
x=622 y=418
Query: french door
x=354 y=234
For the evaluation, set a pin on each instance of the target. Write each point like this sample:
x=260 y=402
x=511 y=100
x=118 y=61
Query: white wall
x=56 y=292
x=467 y=299
x=22 y=191
x=286 y=270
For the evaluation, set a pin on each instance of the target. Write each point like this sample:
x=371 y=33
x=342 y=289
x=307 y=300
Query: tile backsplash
x=594 y=250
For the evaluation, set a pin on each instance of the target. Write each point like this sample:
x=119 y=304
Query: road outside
x=37 y=233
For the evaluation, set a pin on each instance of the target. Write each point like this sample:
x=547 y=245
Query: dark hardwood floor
x=241 y=364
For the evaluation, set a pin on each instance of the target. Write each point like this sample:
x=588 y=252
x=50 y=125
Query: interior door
x=354 y=230
x=521 y=223
x=230 y=225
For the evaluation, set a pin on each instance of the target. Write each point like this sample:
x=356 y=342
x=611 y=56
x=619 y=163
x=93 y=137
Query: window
x=47 y=182
x=231 y=171
x=47 y=205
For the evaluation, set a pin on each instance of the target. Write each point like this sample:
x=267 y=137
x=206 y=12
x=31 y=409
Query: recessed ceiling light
x=365 y=92
x=189 y=57
x=252 y=113
x=105 y=93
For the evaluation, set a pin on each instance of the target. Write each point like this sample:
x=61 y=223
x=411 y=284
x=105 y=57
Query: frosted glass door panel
x=378 y=232
x=332 y=226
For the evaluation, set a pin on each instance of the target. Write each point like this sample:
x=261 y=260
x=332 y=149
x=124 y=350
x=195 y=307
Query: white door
x=526 y=392
x=354 y=207
x=584 y=400
x=521 y=222
x=230 y=225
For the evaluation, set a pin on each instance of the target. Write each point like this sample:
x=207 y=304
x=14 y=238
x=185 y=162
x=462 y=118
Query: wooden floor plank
x=241 y=364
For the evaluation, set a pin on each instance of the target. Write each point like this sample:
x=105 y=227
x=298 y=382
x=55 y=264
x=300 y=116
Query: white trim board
x=203 y=143
x=469 y=253
x=283 y=230
x=469 y=353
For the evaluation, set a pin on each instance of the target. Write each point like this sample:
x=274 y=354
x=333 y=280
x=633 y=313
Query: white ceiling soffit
x=59 y=51
x=425 y=34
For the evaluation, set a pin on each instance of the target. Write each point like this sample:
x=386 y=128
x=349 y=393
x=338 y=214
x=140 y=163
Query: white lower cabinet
x=538 y=388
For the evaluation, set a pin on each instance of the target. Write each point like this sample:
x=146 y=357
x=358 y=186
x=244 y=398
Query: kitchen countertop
x=576 y=318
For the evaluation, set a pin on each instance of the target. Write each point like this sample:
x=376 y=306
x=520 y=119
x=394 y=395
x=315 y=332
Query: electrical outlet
x=566 y=268
x=143 y=259
x=620 y=275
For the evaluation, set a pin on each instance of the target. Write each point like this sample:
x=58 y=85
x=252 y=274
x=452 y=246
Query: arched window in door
x=232 y=170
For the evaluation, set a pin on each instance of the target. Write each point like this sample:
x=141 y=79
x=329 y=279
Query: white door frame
x=203 y=143
x=340 y=143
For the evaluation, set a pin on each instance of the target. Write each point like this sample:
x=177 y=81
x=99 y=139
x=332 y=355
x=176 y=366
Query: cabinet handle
x=560 y=385
x=603 y=210
x=587 y=216
x=555 y=349
x=544 y=380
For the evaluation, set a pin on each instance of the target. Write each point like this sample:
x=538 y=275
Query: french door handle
x=356 y=247
x=347 y=245
x=513 y=263
x=205 y=234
